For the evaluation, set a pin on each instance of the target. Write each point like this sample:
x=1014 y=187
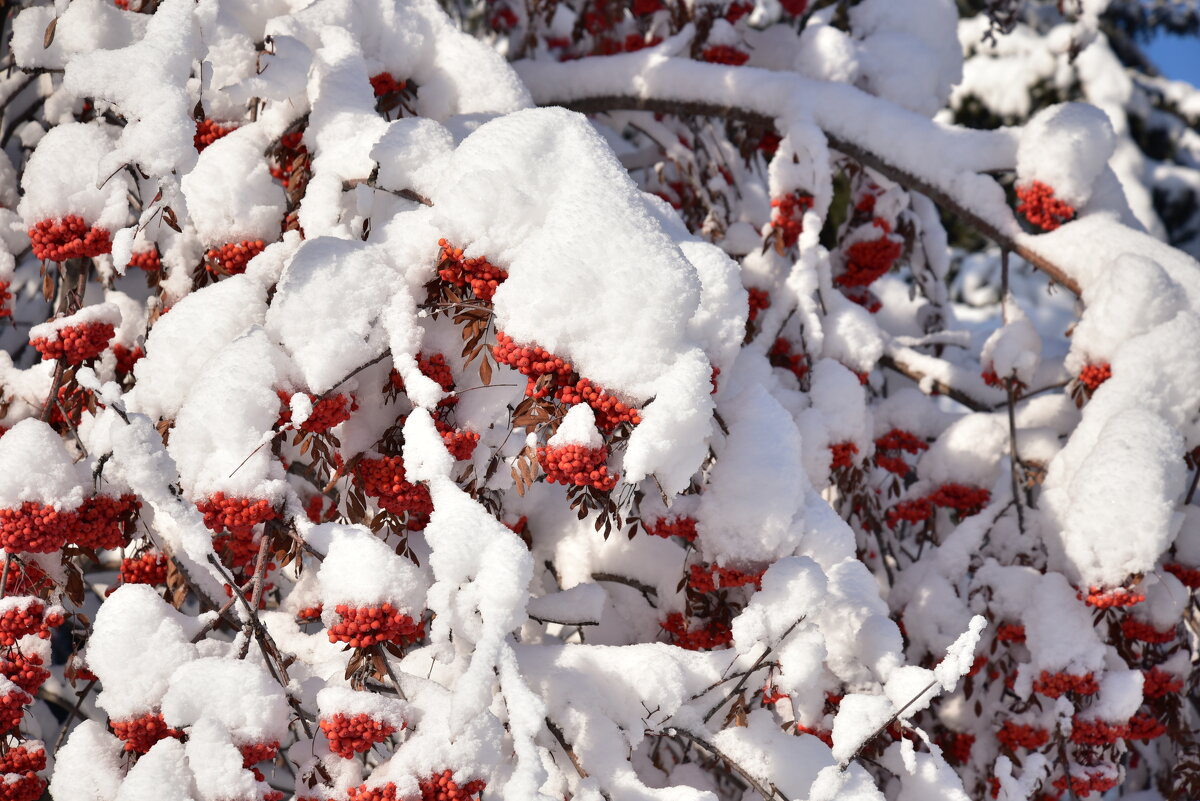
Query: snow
x=1066 y=147
x=230 y=194
x=361 y=570
x=201 y=689
x=35 y=466
x=52 y=185
x=89 y=764
x=578 y=427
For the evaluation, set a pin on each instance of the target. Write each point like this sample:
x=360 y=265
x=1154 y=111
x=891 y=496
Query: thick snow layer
x=1066 y=147
x=204 y=687
x=361 y=570
x=35 y=466
x=909 y=52
x=1058 y=629
x=88 y=766
x=231 y=196
x=63 y=178
x=162 y=773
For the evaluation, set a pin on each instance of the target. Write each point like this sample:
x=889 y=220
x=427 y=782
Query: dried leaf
x=485 y=372
x=48 y=36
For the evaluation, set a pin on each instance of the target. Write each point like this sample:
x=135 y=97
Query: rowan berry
x=482 y=276
x=1158 y=683
x=232 y=257
x=253 y=753
x=12 y=709
x=326 y=412
x=1052 y=685
x=867 y=260
x=843 y=455
x=1139 y=630
x=148 y=260
x=105 y=521
x=1010 y=632
x=1021 y=735
x=712 y=635
x=781 y=355
x=25 y=671
x=709 y=579
x=126 y=358
x=1085 y=731
x=442 y=787
x=1093 y=375
x=824 y=735
x=916 y=510
x=35 y=528
x=1088 y=783
x=141 y=733
x=149 y=568
x=237 y=515
x=17 y=786
x=209 y=131
x=75 y=344
x=609 y=411
x=788 y=220
x=68 y=238
x=956 y=746
x=1038 y=204
x=1144 y=726
x=965 y=500
x=6 y=297
x=724 y=54
x=1189 y=576
x=383 y=83
x=27 y=758
x=385 y=792
x=577 y=465
x=363 y=626
x=383 y=479
x=460 y=443
x=684 y=527
x=1107 y=599
x=534 y=363
x=794 y=7
x=354 y=734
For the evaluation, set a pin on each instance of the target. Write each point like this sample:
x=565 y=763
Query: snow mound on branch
x=161 y=773
x=909 y=52
x=1066 y=147
x=203 y=689
x=578 y=427
x=1058 y=629
x=231 y=196
x=88 y=766
x=361 y=570
x=35 y=466
x=62 y=178
x=1014 y=349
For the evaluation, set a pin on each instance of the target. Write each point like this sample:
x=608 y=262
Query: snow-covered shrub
x=589 y=400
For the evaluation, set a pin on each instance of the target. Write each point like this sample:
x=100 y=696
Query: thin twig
x=71 y=714
x=845 y=763
x=738 y=769
x=260 y=569
x=746 y=676
x=4 y=575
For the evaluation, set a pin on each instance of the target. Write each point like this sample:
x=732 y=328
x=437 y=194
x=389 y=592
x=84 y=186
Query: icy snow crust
x=608 y=279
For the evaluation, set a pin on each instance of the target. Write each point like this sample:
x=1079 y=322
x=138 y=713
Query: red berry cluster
x=460 y=442
x=824 y=735
x=141 y=733
x=545 y=371
x=35 y=528
x=5 y=298
x=714 y=577
x=366 y=625
x=1189 y=576
x=956 y=746
x=386 y=792
x=26 y=578
x=781 y=355
x=1093 y=375
x=149 y=568
x=1010 y=632
x=31 y=618
x=12 y=709
x=610 y=412
x=289 y=157
x=253 y=753
x=1090 y=782
x=434 y=367
x=1135 y=629
x=326 y=412
x=68 y=238
x=75 y=344
x=665 y=527
x=209 y=131
x=916 y=510
x=869 y=259
x=126 y=358
x=1144 y=726
x=24 y=670
x=354 y=734
x=384 y=84
x=310 y=613
x=889 y=446
x=714 y=634
x=1158 y=683
x=23 y=759
x=1107 y=599
x=1085 y=731
x=105 y=521
x=760 y=301
x=232 y=257
x=237 y=515
x=1038 y=204
x=1052 y=685
x=482 y=276
x=788 y=219
x=724 y=54
x=577 y=465
x=148 y=260
x=442 y=787
x=383 y=479
x=794 y=7
x=1020 y=735
x=843 y=455
x=964 y=499
x=27 y=786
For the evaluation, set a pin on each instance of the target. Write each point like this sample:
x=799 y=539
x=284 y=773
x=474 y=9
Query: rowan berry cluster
x=1014 y=735
x=232 y=257
x=482 y=276
x=148 y=260
x=867 y=260
x=889 y=446
x=1158 y=683
x=17 y=786
x=724 y=54
x=1188 y=576
x=956 y=746
x=1085 y=731
x=141 y=733
x=289 y=158
x=236 y=515
x=610 y=412
x=326 y=412
x=788 y=219
x=23 y=758
x=383 y=479
x=546 y=372
x=363 y=626
x=842 y=455
x=916 y=510
x=1108 y=599
x=68 y=238
x=824 y=735
x=713 y=577
x=5 y=298
x=149 y=568
x=75 y=344
x=354 y=734
x=310 y=613
x=713 y=634
x=253 y=753
x=965 y=500
x=760 y=301
x=1037 y=203
x=442 y=787
x=35 y=528
x=126 y=358
x=1052 y=685
x=684 y=527
x=26 y=578
x=383 y=83
x=1144 y=726
x=781 y=355
x=209 y=131
x=1090 y=782
x=1139 y=630
x=105 y=522
x=460 y=443
x=576 y=465
x=24 y=670
x=1010 y=632
x=386 y=792
x=1093 y=375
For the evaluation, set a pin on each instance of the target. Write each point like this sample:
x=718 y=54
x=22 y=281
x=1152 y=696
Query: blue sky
x=1178 y=57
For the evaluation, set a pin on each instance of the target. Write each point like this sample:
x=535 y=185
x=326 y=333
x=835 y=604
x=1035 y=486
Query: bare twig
x=72 y=713
x=758 y=663
x=769 y=795
x=648 y=592
x=845 y=763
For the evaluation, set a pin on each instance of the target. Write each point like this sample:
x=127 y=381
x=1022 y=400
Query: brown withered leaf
x=48 y=36
x=485 y=371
